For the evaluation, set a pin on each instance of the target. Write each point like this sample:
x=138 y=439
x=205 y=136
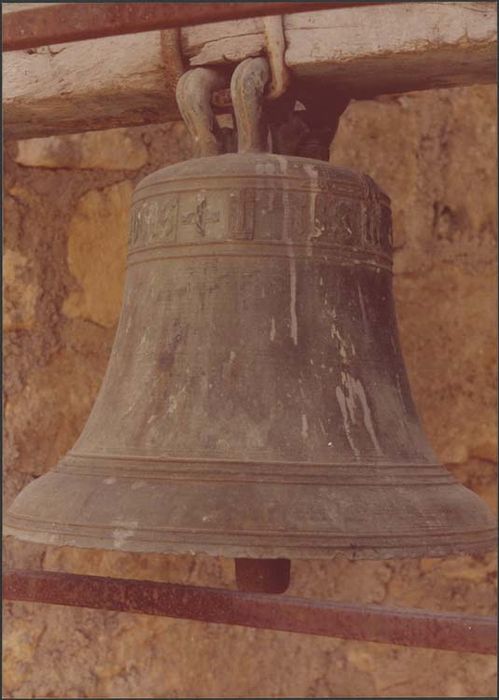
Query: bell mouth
x=252 y=520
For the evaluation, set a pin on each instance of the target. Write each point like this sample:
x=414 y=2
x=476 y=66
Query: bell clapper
x=262 y=575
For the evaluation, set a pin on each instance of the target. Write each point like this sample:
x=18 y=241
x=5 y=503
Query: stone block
x=113 y=149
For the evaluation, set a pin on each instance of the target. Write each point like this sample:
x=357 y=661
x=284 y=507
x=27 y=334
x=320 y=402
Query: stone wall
x=66 y=211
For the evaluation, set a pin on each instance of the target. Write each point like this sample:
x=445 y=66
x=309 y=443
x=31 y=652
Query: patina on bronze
x=256 y=403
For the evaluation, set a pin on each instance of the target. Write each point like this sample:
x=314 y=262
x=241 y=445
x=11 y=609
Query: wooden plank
x=96 y=84
x=129 y=80
x=374 y=50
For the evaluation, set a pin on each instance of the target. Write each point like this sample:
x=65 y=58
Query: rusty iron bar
x=406 y=627
x=66 y=22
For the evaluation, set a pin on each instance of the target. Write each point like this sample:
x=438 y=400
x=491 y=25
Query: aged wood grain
x=130 y=80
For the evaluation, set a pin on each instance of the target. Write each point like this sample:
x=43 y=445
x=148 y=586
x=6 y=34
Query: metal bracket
x=406 y=627
x=275 y=45
x=275 y=42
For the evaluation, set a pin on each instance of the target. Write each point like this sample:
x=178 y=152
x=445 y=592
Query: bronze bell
x=256 y=403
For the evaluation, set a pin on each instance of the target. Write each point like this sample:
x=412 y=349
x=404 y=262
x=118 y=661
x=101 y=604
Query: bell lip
x=227 y=518
x=246 y=542
x=482 y=545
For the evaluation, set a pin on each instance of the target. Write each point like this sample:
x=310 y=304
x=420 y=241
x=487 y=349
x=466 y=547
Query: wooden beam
x=130 y=80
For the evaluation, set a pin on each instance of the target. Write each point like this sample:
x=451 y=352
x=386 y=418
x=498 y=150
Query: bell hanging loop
x=194 y=93
x=247 y=89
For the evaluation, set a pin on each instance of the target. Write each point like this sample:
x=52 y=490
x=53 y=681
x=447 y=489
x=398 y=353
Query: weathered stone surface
x=434 y=154
x=481 y=477
x=447 y=320
x=115 y=149
x=97 y=240
x=20 y=293
x=434 y=161
x=58 y=394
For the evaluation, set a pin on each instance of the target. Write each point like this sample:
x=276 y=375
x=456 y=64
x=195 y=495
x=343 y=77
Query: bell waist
x=329 y=254
x=162 y=468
